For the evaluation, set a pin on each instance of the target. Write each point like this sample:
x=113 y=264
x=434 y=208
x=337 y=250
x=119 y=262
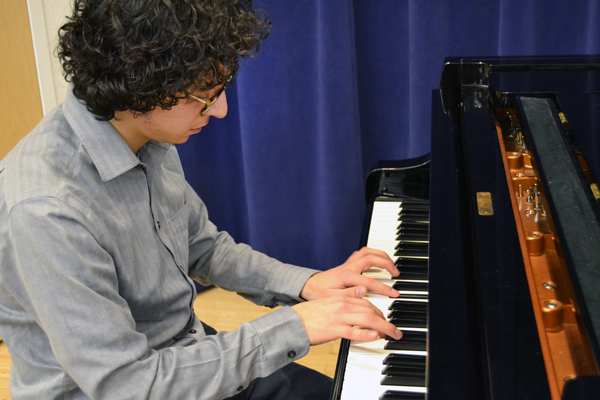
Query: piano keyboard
x=387 y=369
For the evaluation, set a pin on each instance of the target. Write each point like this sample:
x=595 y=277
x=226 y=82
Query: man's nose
x=219 y=109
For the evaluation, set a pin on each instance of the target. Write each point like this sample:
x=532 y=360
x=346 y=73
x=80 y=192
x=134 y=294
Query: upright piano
x=497 y=237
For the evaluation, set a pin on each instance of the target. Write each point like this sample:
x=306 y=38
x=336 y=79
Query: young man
x=100 y=235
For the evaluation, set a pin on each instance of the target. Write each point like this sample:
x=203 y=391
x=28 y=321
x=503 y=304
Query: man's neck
x=127 y=125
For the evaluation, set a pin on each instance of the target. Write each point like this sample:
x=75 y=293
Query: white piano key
x=379 y=274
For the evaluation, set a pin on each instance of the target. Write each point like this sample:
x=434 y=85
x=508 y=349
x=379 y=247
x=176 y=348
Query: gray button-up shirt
x=97 y=250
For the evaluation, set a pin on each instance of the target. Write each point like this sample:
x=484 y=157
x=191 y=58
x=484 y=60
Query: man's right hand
x=337 y=317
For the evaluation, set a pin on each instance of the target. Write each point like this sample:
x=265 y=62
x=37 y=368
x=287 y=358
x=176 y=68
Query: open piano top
x=514 y=234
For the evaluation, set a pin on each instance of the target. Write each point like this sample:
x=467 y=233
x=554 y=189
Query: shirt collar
x=108 y=151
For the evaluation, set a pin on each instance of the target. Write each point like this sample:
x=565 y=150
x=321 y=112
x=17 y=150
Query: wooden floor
x=4 y=372
x=224 y=311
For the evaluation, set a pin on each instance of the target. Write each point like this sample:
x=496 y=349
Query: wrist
x=307 y=292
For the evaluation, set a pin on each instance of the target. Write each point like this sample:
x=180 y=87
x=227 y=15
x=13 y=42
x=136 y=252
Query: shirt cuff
x=283 y=337
x=290 y=286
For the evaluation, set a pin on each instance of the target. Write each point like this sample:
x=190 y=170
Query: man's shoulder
x=38 y=164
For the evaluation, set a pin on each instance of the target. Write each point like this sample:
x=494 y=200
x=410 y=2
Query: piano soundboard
x=388 y=369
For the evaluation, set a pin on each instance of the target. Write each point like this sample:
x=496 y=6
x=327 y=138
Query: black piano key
x=412 y=228
x=413 y=217
x=394 y=380
x=404 y=317
x=418 y=215
x=411 y=269
x=410 y=285
x=419 y=229
x=416 y=275
x=413 y=295
x=407 y=371
x=407 y=251
x=412 y=246
x=411 y=289
x=402 y=262
x=413 y=345
x=400 y=313
x=407 y=215
x=424 y=213
x=413 y=237
x=414 y=225
x=416 y=320
x=410 y=253
x=415 y=203
x=400 y=395
x=405 y=359
x=414 y=207
x=409 y=322
x=411 y=340
x=407 y=305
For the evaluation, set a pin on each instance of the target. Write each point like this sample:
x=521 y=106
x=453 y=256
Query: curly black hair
x=141 y=54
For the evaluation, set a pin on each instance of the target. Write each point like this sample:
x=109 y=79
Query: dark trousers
x=292 y=382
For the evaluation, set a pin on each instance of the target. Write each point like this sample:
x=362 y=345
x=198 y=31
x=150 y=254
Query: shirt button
x=292 y=353
x=192 y=331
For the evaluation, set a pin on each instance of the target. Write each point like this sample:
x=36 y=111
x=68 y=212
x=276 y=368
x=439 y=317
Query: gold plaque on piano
x=484 y=203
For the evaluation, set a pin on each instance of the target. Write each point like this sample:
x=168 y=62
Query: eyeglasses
x=208 y=103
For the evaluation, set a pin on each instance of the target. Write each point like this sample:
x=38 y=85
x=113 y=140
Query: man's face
x=176 y=125
x=172 y=126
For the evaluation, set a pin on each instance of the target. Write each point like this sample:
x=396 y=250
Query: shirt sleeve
x=67 y=282
x=215 y=258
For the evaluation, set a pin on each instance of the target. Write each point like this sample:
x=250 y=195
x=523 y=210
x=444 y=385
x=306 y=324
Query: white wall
x=46 y=16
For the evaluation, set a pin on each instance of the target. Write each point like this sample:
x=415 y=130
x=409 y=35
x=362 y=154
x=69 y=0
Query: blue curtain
x=338 y=86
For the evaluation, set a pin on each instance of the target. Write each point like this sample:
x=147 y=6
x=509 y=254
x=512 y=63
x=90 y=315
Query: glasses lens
x=211 y=101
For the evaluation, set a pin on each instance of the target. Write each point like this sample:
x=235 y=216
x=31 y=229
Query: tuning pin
x=538 y=202
x=530 y=195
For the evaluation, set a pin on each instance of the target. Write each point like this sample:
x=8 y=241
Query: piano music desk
x=224 y=311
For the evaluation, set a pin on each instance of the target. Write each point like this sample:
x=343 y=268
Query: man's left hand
x=346 y=279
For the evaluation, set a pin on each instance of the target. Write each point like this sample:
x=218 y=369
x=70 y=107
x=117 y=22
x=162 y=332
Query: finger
x=361 y=308
x=362 y=334
x=359 y=285
x=358 y=306
x=354 y=291
x=381 y=260
x=376 y=323
x=353 y=303
x=373 y=285
x=364 y=251
x=367 y=252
